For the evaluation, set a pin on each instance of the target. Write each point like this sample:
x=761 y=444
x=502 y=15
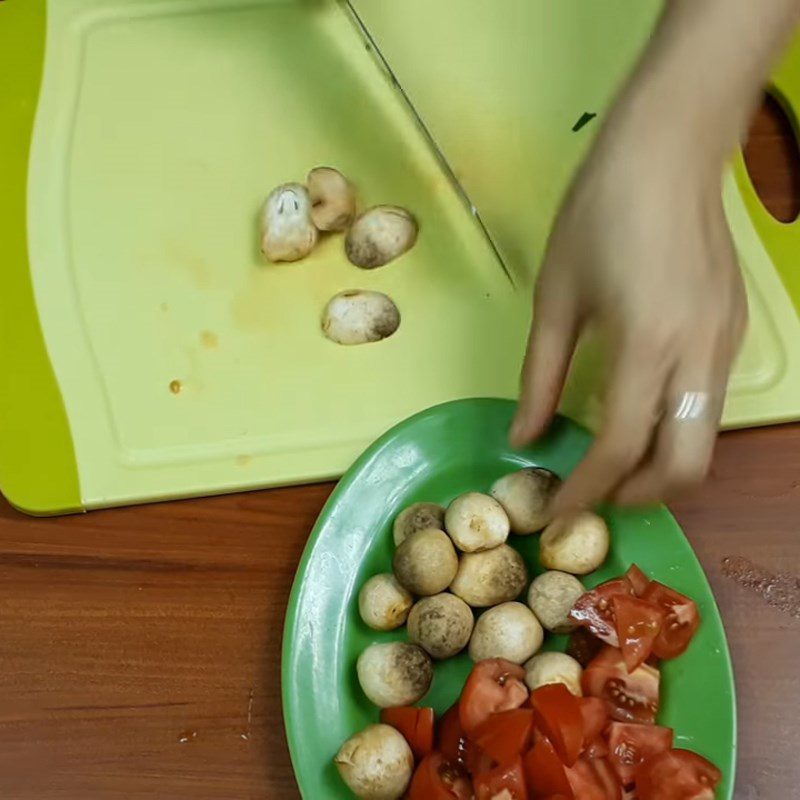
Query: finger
x=685 y=439
x=632 y=406
x=554 y=333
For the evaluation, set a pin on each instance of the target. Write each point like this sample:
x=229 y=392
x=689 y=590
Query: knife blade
x=437 y=150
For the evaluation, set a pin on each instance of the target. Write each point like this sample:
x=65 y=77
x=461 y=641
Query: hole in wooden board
x=773 y=160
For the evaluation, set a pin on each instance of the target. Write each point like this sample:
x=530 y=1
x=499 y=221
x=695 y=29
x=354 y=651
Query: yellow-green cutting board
x=148 y=352
x=500 y=86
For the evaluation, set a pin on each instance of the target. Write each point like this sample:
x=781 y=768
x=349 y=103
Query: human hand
x=641 y=247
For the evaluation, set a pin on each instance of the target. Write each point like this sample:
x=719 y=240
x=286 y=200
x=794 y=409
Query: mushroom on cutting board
x=333 y=199
x=380 y=235
x=287 y=232
x=357 y=316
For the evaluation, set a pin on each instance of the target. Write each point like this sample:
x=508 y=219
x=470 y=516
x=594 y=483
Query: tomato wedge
x=638 y=625
x=502 y=783
x=595 y=611
x=594 y=780
x=416 y=725
x=437 y=778
x=493 y=685
x=557 y=715
x=454 y=745
x=583 y=646
x=637 y=579
x=677 y=775
x=544 y=771
x=451 y=741
x=596 y=748
x=681 y=621
x=605 y=777
x=595 y=713
x=506 y=735
x=633 y=697
x=631 y=745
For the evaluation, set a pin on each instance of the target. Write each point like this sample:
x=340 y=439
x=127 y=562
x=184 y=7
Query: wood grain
x=141 y=647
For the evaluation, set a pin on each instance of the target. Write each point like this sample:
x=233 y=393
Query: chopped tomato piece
x=544 y=771
x=437 y=778
x=681 y=620
x=633 y=697
x=505 y=735
x=631 y=745
x=638 y=580
x=454 y=745
x=677 y=775
x=595 y=713
x=638 y=624
x=506 y=782
x=594 y=780
x=451 y=741
x=583 y=646
x=596 y=748
x=416 y=725
x=493 y=685
x=557 y=714
x=595 y=611
x=606 y=778
x=476 y=761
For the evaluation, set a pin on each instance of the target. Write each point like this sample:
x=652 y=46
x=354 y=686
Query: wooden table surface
x=141 y=647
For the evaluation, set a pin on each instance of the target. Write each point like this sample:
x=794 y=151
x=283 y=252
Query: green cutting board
x=501 y=86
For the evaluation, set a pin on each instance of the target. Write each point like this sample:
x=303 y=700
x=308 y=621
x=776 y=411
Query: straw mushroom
x=394 y=674
x=359 y=317
x=526 y=496
x=380 y=235
x=417 y=517
x=546 y=668
x=426 y=562
x=441 y=625
x=333 y=199
x=383 y=603
x=288 y=234
x=551 y=597
x=510 y=631
x=376 y=764
x=576 y=543
x=476 y=522
x=491 y=577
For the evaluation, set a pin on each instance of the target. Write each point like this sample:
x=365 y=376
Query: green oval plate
x=436 y=455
